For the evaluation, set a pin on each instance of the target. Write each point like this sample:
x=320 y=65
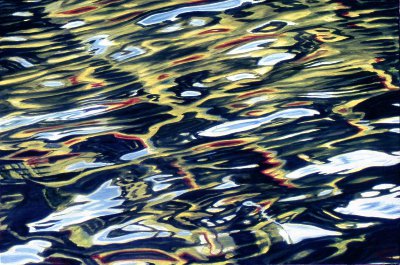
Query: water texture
x=199 y=132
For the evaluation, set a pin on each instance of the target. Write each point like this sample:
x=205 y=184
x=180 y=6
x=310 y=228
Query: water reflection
x=372 y=205
x=348 y=163
x=102 y=202
x=295 y=233
x=245 y=125
x=212 y=7
x=220 y=132
x=26 y=253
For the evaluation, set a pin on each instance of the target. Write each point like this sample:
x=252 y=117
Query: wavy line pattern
x=199 y=132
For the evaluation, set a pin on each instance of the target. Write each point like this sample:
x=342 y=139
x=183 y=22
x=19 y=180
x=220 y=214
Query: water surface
x=199 y=132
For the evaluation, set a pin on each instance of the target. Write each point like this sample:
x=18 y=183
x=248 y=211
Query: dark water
x=199 y=132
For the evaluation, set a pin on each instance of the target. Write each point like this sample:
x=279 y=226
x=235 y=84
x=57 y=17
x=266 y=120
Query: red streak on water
x=162 y=76
x=253 y=112
x=72 y=141
x=101 y=84
x=271 y=165
x=79 y=10
x=198 y=1
x=73 y=80
x=226 y=143
x=211 y=31
x=130 y=137
x=255 y=93
x=297 y=103
x=239 y=105
x=44 y=160
x=187 y=257
x=118 y=105
x=188 y=59
x=59 y=261
x=314 y=55
x=353 y=25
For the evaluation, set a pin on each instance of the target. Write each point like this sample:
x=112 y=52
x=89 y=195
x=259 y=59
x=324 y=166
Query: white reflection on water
x=174 y=13
x=197 y=22
x=386 y=206
x=21 y=61
x=127 y=53
x=57 y=135
x=24 y=254
x=275 y=58
x=241 y=76
x=295 y=198
x=190 y=93
x=10 y=123
x=227 y=183
x=22 y=14
x=134 y=155
x=348 y=163
x=99 y=44
x=322 y=63
x=73 y=24
x=172 y=28
x=295 y=233
x=101 y=202
x=252 y=46
x=249 y=124
x=53 y=83
x=129 y=231
x=13 y=38
x=84 y=165
x=383 y=186
x=162 y=182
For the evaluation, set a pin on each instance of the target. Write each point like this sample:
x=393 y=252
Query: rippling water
x=199 y=132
